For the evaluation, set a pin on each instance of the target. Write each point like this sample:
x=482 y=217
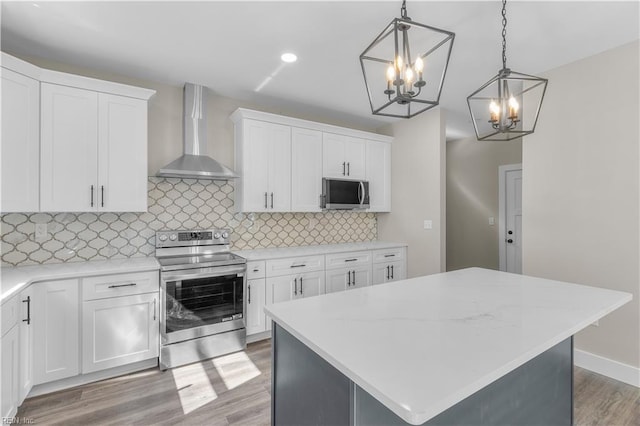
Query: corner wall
x=581 y=191
x=418 y=192
x=472 y=197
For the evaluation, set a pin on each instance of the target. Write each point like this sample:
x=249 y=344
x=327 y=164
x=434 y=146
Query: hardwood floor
x=236 y=390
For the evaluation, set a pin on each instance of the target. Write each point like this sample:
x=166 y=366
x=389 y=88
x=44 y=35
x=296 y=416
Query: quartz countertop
x=282 y=252
x=422 y=345
x=14 y=279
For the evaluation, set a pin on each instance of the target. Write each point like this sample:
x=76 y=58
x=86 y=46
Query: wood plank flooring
x=236 y=390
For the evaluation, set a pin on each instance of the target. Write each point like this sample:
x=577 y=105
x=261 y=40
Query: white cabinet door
x=378 y=165
x=119 y=331
x=390 y=271
x=360 y=277
x=56 y=330
x=122 y=154
x=334 y=164
x=69 y=149
x=20 y=143
x=355 y=156
x=9 y=387
x=310 y=284
x=279 y=289
x=25 y=379
x=306 y=170
x=255 y=318
x=337 y=280
x=279 y=156
x=254 y=166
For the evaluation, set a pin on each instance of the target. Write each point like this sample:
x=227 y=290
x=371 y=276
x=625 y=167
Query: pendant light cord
x=504 y=34
x=403 y=9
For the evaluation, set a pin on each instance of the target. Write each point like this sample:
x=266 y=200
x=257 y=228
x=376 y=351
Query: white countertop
x=422 y=345
x=282 y=252
x=14 y=279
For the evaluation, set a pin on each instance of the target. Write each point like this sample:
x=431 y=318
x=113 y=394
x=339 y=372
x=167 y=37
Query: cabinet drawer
x=294 y=265
x=10 y=313
x=120 y=285
x=389 y=255
x=255 y=269
x=348 y=260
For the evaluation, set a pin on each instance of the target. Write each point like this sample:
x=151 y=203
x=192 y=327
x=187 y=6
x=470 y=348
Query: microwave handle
x=361 y=192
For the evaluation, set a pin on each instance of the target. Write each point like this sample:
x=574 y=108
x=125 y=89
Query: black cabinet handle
x=301 y=294
x=295 y=286
x=344 y=169
x=298 y=266
x=391 y=271
x=350 y=260
x=102 y=190
x=272 y=200
x=354 y=277
x=348 y=278
x=265 y=200
x=154 y=308
x=28 y=302
x=389 y=255
x=388 y=269
x=249 y=293
x=122 y=285
x=348 y=169
x=91 y=195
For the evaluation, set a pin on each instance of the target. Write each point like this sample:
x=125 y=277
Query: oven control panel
x=184 y=238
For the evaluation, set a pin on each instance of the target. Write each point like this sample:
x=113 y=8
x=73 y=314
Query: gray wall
x=581 y=190
x=472 y=197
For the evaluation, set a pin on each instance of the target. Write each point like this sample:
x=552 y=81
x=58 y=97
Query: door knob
x=510 y=241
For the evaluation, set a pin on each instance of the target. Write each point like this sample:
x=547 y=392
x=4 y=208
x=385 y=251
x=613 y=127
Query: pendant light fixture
x=404 y=67
x=507 y=106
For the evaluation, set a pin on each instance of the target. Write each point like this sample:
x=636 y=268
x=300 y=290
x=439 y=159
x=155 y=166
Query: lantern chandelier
x=414 y=58
x=507 y=106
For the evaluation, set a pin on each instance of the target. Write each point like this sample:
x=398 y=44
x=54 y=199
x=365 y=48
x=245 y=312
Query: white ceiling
x=233 y=47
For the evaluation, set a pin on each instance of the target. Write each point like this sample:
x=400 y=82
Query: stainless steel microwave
x=339 y=194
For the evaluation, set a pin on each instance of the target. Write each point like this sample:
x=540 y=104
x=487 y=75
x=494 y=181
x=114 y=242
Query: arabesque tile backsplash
x=173 y=204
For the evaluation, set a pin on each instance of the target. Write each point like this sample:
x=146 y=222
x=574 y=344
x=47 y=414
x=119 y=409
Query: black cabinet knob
x=510 y=241
x=510 y=232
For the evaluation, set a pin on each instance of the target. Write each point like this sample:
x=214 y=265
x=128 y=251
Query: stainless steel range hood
x=195 y=164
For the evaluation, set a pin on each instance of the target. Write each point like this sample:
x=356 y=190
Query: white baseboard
x=607 y=367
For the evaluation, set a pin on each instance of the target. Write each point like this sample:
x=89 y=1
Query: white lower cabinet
x=348 y=278
x=289 y=287
x=55 y=313
x=26 y=344
x=119 y=330
x=255 y=317
x=9 y=348
x=390 y=271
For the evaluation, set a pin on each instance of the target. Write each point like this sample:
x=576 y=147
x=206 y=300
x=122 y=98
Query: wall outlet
x=492 y=221
x=428 y=224
x=41 y=231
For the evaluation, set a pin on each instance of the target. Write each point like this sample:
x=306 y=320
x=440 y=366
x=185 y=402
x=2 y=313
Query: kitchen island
x=472 y=346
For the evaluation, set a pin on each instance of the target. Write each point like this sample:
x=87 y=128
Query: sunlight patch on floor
x=236 y=369
x=194 y=387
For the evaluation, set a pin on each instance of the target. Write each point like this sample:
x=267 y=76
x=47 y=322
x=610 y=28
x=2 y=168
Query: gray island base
x=307 y=390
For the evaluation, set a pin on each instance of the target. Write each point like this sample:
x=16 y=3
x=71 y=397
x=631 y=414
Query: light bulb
x=513 y=106
x=419 y=65
x=391 y=74
x=494 y=111
x=399 y=62
x=408 y=75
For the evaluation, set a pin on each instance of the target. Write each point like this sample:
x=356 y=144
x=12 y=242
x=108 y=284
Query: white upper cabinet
x=20 y=142
x=71 y=143
x=69 y=152
x=282 y=160
x=122 y=153
x=94 y=151
x=379 y=175
x=343 y=157
x=263 y=158
x=306 y=170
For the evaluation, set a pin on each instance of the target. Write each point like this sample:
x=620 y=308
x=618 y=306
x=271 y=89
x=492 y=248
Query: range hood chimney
x=195 y=164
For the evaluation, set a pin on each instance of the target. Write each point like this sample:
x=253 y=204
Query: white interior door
x=513 y=223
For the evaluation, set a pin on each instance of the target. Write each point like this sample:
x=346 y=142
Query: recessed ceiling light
x=289 y=57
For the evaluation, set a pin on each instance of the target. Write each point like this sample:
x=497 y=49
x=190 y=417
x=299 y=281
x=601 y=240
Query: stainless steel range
x=202 y=301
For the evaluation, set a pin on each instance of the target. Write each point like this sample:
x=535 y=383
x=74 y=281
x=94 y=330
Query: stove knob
x=225 y=235
x=163 y=237
x=216 y=235
x=173 y=237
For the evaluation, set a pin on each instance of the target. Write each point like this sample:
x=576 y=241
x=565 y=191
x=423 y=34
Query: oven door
x=201 y=302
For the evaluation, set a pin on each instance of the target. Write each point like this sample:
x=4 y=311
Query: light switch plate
x=428 y=224
x=492 y=221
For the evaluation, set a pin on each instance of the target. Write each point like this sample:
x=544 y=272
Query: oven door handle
x=218 y=271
